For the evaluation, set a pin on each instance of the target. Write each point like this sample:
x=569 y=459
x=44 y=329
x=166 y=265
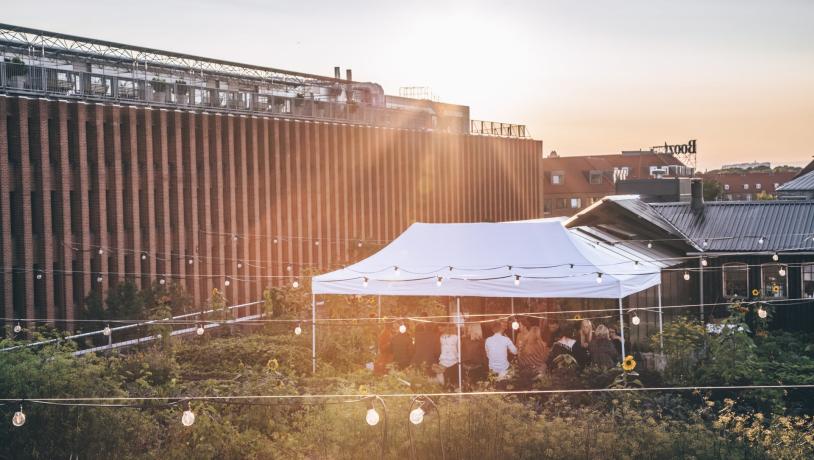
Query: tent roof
x=484 y=259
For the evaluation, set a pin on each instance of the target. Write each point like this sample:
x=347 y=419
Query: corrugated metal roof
x=739 y=225
x=802 y=183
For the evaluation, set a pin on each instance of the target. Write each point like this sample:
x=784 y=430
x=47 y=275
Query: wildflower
x=628 y=364
x=775 y=289
x=273 y=364
x=755 y=292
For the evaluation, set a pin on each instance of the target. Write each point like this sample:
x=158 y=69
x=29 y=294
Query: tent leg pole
x=701 y=287
x=379 y=304
x=622 y=327
x=313 y=333
x=661 y=324
x=514 y=339
x=458 y=320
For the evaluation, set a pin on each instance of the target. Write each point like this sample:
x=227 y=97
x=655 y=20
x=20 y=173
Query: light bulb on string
x=397 y=271
x=760 y=241
x=106 y=331
x=227 y=283
x=101 y=251
x=439 y=280
x=365 y=280
x=782 y=271
x=775 y=257
x=295 y=284
x=143 y=256
x=239 y=265
x=298 y=329
x=762 y=313
x=188 y=417
x=359 y=244
x=18 y=419
x=200 y=330
x=162 y=281
x=704 y=262
x=649 y=245
x=17 y=328
x=316 y=243
x=274 y=241
x=515 y=324
x=686 y=276
x=402 y=328
x=39 y=275
x=517 y=280
x=372 y=417
x=234 y=237
x=99 y=278
x=190 y=261
x=599 y=278
x=635 y=319
x=417 y=415
x=571 y=266
x=288 y=268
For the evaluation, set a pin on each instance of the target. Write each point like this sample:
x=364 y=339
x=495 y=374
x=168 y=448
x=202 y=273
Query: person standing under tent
x=402 y=347
x=498 y=347
x=427 y=345
x=448 y=358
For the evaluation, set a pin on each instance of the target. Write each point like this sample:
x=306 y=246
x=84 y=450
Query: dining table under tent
x=526 y=259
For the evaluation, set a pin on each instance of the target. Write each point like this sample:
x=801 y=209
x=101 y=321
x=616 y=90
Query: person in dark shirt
x=427 y=346
x=401 y=346
x=601 y=349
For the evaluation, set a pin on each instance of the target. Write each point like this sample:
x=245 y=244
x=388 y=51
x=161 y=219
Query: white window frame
x=785 y=289
x=726 y=186
x=758 y=187
x=803 y=268
x=739 y=266
x=578 y=202
x=557 y=177
x=746 y=186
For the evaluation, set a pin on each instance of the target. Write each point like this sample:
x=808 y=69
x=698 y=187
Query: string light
x=162 y=281
x=188 y=417
x=99 y=278
x=365 y=280
x=274 y=241
x=599 y=278
x=762 y=313
x=635 y=319
x=239 y=265
x=396 y=269
x=372 y=417
x=439 y=280
x=782 y=271
x=402 y=328
x=359 y=244
x=101 y=251
x=39 y=275
x=288 y=268
x=190 y=261
x=295 y=284
x=316 y=243
x=686 y=276
x=515 y=325
x=517 y=280
x=143 y=256
x=572 y=265
x=106 y=331
x=227 y=283
x=649 y=245
x=298 y=330
x=18 y=419
x=705 y=243
x=760 y=241
x=17 y=328
x=417 y=415
x=704 y=262
x=200 y=330
x=234 y=237
x=775 y=257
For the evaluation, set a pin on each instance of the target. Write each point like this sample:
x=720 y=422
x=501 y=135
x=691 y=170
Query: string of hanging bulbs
x=421 y=405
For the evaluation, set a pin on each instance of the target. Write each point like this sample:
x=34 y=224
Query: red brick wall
x=176 y=186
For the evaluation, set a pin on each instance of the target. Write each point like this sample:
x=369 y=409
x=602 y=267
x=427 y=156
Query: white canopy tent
x=539 y=259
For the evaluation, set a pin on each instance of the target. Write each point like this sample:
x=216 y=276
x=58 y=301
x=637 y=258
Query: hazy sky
x=586 y=77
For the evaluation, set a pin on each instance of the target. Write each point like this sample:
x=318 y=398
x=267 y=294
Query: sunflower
x=577 y=317
x=775 y=289
x=628 y=364
x=755 y=292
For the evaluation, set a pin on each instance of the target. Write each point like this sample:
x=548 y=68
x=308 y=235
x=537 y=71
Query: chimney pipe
x=337 y=73
x=348 y=74
x=697 y=195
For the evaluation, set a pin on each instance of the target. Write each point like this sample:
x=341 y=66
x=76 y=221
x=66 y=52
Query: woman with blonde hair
x=532 y=350
x=584 y=336
x=601 y=349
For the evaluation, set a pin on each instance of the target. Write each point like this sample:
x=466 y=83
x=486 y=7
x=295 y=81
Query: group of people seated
x=541 y=345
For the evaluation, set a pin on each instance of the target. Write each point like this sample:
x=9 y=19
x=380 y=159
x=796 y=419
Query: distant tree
x=713 y=190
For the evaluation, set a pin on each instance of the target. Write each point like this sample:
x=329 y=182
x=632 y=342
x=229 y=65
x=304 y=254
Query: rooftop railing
x=493 y=128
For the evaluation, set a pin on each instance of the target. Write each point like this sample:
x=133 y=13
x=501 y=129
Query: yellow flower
x=628 y=364
x=775 y=289
x=755 y=292
x=273 y=364
x=577 y=317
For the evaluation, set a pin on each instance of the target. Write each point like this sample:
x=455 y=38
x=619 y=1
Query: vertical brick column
x=101 y=197
x=65 y=184
x=205 y=202
x=118 y=195
x=6 y=254
x=83 y=188
x=132 y=197
x=177 y=205
x=243 y=202
x=48 y=234
x=26 y=179
x=163 y=177
x=278 y=161
x=193 y=189
x=222 y=242
x=148 y=183
x=230 y=203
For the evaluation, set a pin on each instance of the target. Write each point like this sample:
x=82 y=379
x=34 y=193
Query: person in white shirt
x=498 y=347
x=449 y=358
